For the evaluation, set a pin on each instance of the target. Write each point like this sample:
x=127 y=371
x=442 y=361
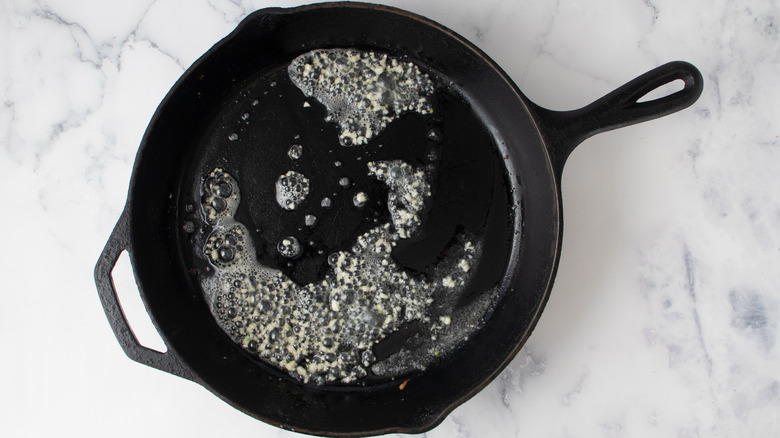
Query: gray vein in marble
x=461 y=430
x=77 y=32
x=694 y=151
x=716 y=200
x=765 y=24
x=104 y=50
x=236 y=17
x=544 y=34
x=523 y=366
x=567 y=398
x=690 y=286
x=771 y=392
x=713 y=87
x=133 y=37
x=14 y=144
x=155 y=46
x=749 y=314
x=113 y=50
x=234 y=2
x=132 y=34
x=541 y=39
x=478 y=32
x=655 y=9
x=615 y=428
x=761 y=226
x=9 y=107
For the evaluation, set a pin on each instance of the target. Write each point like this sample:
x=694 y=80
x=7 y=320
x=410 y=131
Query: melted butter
x=324 y=331
x=362 y=91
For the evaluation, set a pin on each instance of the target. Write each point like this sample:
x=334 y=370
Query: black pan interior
x=494 y=179
x=267 y=117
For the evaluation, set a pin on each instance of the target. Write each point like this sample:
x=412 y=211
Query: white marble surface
x=664 y=317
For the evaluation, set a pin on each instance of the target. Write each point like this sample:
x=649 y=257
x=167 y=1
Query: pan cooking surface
x=348 y=246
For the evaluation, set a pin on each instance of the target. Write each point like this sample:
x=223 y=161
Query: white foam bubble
x=295 y=152
x=289 y=247
x=291 y=190
x=360 y=199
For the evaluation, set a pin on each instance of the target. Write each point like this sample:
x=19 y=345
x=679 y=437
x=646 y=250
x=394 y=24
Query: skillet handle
x=117 y=243
x=564 y=130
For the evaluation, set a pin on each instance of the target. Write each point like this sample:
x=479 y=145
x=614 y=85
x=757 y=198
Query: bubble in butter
x=291 y=190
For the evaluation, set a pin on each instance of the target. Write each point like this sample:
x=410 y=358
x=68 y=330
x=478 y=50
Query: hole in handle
x=132 y=306
x=664 y=90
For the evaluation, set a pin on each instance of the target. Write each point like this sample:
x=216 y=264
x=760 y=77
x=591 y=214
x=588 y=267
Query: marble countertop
x=663 y=320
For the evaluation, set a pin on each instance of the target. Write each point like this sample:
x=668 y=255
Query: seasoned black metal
x=117 y=243
x=534 y=141
x=564 y=130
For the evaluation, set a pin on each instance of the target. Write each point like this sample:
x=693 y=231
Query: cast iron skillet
x=186 y=137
